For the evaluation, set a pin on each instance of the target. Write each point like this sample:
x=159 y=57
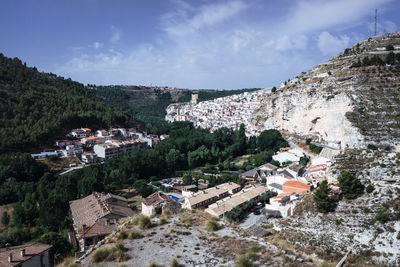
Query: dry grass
x=111 y=253
x=195 y=217
x=68 y=262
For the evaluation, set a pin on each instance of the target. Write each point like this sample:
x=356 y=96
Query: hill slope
x=36 y=107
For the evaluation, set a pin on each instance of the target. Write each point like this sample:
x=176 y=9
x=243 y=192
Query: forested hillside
x=36 y=107
x=151 y=102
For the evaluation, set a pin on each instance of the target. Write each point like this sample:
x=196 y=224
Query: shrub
x=273 y=90
x=389 y=47
x=174 y=263
x=243 y=261
x=122 y=235
x=114 y=253
x=142 y=221
x=212 y=225
x=372 y=147
x=382 y=216
x=308 y=141
x=315 y=149
x=162 y=220
x=370 y=188
x=135 y=235
x=152 y=264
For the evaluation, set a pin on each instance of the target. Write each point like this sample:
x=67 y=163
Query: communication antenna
x=376 y=19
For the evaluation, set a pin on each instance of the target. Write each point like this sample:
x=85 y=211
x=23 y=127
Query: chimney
x=23 y=253
x=84 y=228
x=10 y=259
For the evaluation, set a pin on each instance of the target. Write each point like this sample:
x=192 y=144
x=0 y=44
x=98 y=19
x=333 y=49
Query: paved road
x=252 y=219
x=71 y=169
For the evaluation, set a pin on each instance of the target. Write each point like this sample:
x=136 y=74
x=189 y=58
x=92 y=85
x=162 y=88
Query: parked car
x=259 y=205
x=257 y=212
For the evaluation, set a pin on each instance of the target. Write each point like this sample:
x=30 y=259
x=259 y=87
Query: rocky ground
x=185 y=238
x=353 y=227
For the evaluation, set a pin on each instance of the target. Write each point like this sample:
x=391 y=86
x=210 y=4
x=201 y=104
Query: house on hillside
x=295 y=170
x=158 y=203
x=96 y=216
x=281 y=205
x=257 y=174
x=296 y=187
x=35 y=254
x=210 y=195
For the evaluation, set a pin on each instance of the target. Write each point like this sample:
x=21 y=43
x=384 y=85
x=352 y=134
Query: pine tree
x=322 y=198
x=350 y=186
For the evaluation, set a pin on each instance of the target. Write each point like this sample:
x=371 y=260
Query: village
x=88 y=146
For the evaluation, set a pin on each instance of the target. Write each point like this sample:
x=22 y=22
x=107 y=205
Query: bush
x=212 y=225
x=372 y=147
x=382 y=216
x=152 y=264
x=142 y=221
x=370 y=188
x=315 y=149
x=174 y=263
x=122 y=235
x=162 y=220
x=135 y=235
x=308 y=141
x=273 y=90
x=243 y=261
x=114 y=253
x=389 y=47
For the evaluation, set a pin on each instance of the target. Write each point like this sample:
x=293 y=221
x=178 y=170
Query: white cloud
x=180 y=22
x=115 y=34
x=308 y=16
x=212 y=46
x=329 y=45
x=96 y=45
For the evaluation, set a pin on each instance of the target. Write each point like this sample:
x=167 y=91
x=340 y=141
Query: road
x=71 y=169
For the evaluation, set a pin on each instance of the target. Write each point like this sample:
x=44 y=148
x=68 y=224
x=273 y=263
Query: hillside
x=353 y=98
x=37 y=107
x=144 y=101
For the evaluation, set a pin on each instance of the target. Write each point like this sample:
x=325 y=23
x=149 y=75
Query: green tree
x=370 y=188
x=187 y=179
x=322 y=198
x=271 y=140
x=350 y=186
x=273 y=90
x=389 y=47
x=5 y=218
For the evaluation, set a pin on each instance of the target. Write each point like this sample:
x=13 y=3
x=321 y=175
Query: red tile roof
x=297 y=184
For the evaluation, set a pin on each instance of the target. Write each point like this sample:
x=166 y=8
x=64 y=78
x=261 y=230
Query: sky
x=202 y=44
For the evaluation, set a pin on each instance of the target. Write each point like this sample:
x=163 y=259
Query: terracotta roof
x=297 y=184
x=280 y=196
x=87 y=211
x=31 y=250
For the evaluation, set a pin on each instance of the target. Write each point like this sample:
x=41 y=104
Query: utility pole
x=376 y=19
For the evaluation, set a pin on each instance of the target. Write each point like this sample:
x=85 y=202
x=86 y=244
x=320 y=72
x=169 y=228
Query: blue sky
x=186 y=44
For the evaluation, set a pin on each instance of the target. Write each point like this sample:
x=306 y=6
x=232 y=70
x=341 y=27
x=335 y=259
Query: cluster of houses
x=230 y=112
x=102 y=144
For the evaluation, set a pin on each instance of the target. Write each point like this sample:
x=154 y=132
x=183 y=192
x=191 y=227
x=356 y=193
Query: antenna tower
x=376 y=19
